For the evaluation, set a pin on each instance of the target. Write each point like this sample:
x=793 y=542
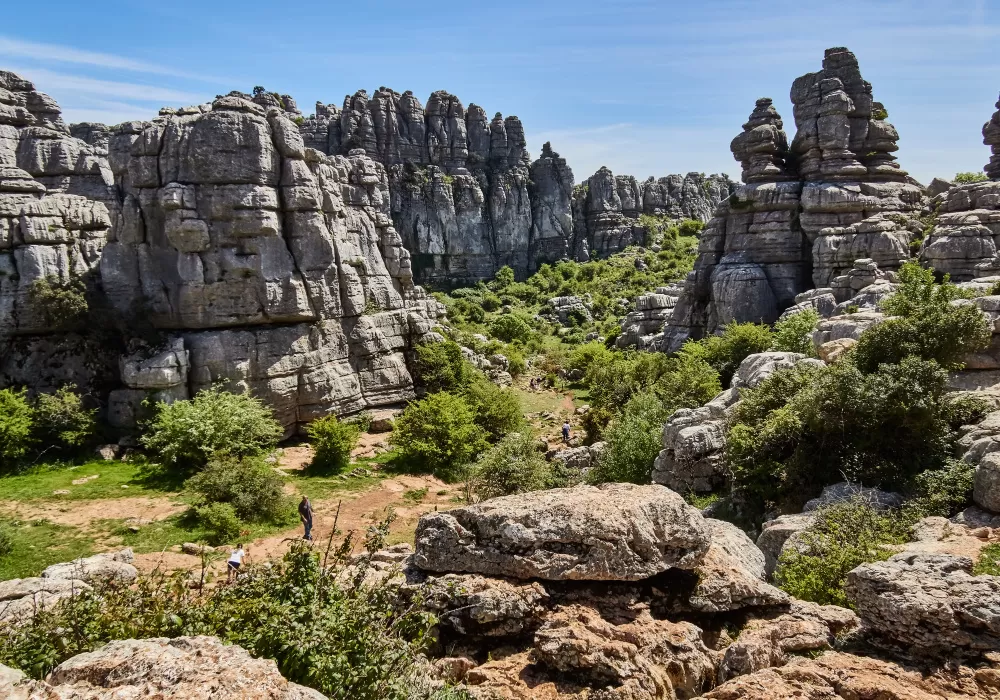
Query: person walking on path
x=235 y=562
x=565 y=432
x=306 y=516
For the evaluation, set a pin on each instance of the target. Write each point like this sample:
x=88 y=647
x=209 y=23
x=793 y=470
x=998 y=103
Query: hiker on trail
x=306 y=516
x=235 y=562
x=565 y=431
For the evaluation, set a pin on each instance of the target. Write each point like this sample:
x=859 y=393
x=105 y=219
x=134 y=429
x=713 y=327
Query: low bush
x=633 y=441
x=61 y=419
x=220 y=522
x=794 y=333
x=725 y=352
x=439 y=434
x=510 y=327
x=186 y=434
x=513 y=465
x=843 y=536
x=63 y=304
x=592 y=354
x=963 y=178
x=249 y=485
x=17 y=423
x=496 y=410
x=942 y=492
x=927 y=324
x=333 y=441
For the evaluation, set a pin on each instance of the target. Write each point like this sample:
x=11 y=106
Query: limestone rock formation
x=966 y=222
x=100 y=567
x=807 y=211
x=991 y=137
x=184 y=668
x=693 y=440
x=641 y=328
x=619 y=532
x=928 y=603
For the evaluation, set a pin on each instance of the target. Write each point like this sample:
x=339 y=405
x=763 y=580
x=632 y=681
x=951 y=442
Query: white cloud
x=67 y=54
x=62 y=83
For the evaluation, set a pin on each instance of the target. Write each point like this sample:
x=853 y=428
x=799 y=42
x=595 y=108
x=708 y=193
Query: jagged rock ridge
x=467 y=200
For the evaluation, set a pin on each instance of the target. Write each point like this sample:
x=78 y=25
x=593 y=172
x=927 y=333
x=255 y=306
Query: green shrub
x=690 y=227
x=989 y=560
x=962 y=178
x=928 y=326
x=61 y=419
x=943 y=492
x=688 y=382
x=964 y=409
x=496 y=410
x=516 y=364
x=249 y=485
x=61 y=303
x=220 y=522
x=504 y=278
x=804 y=428
x=843 y=536
x=633 y=441
x=332 y=441
x=592 y=354
x=794 y=334
x=510 y=327
x=17 y=422
x=324 y=627
x=511 y=466
x=439 y=434
x=442 y=367
x=725 y=352
x=186 y=434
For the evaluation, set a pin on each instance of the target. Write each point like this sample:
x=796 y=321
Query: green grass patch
x=115 y=480
x=317 y=487
x=178 y=529
x=989 y=560
x=415 y=495
x=40 y=543
x=539 y=401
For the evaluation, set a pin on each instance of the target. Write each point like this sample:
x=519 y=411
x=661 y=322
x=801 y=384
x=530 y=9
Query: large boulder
x=21 y=598
x=928 y=603
x=100 y=567
x=182 y=668
x=693 y=441
x=614 y=532
x=775 y=533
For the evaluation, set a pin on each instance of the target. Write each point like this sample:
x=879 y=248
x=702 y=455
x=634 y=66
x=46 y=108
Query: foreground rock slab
x=614 y=532
x=928 y=603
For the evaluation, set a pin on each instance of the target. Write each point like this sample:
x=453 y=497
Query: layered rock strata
x=207 y=245
x=807 y=210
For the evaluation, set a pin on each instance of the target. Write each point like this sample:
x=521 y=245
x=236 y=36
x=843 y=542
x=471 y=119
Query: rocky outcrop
x=807 y=210
x=929 y=604
x=643 y=530
x=181 y=669
x=991 y=137
x=642 y=327
x=226 y=251
x=693 y=440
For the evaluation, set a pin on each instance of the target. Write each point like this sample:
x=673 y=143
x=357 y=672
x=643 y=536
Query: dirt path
x=82 y=514
x=357 y=512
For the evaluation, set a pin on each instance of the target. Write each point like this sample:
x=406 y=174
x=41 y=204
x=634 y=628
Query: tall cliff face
x=261 y=263
x=807 y=210
x=467 y=200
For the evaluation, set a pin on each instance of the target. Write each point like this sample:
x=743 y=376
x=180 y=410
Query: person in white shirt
x=235 y=562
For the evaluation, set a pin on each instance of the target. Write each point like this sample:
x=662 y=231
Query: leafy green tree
x=633 y=441
x=504 y=278
x=187 y=433
x=496 y=410
x=510 y=327
x=439 y=434
x=17 y=422
x=62 y=303
x=333 y=441
x=220 y=521
x=442 y=367
x=928 y=324
x=62 y=420
x=794 y=333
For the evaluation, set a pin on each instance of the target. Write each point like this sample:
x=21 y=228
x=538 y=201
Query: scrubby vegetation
x=964 y=178
x=57 y=424
x=332 y=441
x=439 y=435
x=513 y=465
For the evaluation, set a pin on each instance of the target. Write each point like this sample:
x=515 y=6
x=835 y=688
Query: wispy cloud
x=48 y=80
x=67 y=54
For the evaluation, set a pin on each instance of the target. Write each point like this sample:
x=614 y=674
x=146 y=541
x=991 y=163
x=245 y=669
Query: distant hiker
x=565 y=431
x=235 y=562
x=306 y=516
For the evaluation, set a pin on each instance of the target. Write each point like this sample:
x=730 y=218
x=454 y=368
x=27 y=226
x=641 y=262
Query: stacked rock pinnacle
x=807 y=210
x=991 y=137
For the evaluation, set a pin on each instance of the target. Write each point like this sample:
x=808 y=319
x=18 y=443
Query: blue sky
x=644 y=87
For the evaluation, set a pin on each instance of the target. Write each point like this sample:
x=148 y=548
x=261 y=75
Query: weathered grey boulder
x=21 y=598
x=614 y=532
x=986 y=488
x=480 y=606
x=184 y=667
x=693 y=440
x=775 y=533
x=929 y=603
x=100 y=567
x=755 y=368
x=846 y=491
x=566 y=308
